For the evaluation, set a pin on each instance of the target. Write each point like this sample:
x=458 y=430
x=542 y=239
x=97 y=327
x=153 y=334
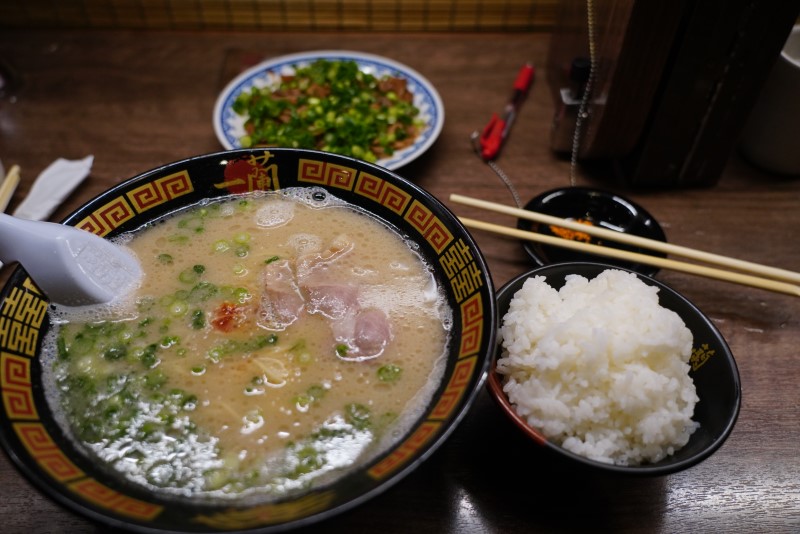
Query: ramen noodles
x=276 y=341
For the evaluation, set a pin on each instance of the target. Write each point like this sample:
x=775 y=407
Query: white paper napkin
x=52 y=186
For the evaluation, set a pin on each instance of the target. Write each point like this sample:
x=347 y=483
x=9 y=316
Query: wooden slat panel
x=299 y=15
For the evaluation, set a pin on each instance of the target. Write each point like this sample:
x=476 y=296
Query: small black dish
x=598 y=208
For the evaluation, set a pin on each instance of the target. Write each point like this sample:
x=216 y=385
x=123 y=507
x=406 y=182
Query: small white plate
x=229 y=126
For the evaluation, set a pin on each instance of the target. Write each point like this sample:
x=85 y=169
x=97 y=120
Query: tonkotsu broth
x=277 y=339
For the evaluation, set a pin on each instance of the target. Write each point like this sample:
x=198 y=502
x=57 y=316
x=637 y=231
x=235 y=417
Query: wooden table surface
x=139 y=100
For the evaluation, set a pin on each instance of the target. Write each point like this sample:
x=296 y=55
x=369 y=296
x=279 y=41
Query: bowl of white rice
x=613 y=368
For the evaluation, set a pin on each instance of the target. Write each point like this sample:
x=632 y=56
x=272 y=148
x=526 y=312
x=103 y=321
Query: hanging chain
x=583 y=111
x=583 y=114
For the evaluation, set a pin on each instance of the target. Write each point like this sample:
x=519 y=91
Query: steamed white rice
x=599 y=367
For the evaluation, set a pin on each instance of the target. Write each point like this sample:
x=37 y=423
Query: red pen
x=496 y=132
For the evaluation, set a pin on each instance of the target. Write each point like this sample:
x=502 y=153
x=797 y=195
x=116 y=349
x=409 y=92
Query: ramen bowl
x=593 y=207
x=42 y=448
x=712 y=368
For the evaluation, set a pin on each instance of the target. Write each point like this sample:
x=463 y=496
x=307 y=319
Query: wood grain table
x=139 y=100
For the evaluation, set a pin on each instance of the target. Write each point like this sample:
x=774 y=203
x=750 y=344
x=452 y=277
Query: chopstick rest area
x=592 y=207
x=745 y=273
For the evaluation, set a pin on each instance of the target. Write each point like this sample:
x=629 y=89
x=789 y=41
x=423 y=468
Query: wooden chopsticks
x=750 y=274
x=8 y=187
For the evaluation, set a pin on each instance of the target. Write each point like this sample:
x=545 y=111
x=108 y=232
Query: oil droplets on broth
x=276 y=341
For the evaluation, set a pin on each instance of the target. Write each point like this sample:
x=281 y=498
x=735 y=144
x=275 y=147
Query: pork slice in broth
x=371 y=332
x=281 y=302
x=309 y=263
x=334 y=301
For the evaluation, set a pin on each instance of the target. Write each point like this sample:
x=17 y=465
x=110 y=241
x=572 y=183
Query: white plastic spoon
x=73 y=267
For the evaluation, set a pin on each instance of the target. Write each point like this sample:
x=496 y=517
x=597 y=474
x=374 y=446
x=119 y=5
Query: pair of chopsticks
x=9 y=185
x=745 y=272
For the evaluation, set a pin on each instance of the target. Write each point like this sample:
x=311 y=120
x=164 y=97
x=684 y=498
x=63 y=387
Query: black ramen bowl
x=713 y=371
x=593 y=207
x=39 y=447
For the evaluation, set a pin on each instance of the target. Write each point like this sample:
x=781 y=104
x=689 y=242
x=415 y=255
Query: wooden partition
x=299 y=15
